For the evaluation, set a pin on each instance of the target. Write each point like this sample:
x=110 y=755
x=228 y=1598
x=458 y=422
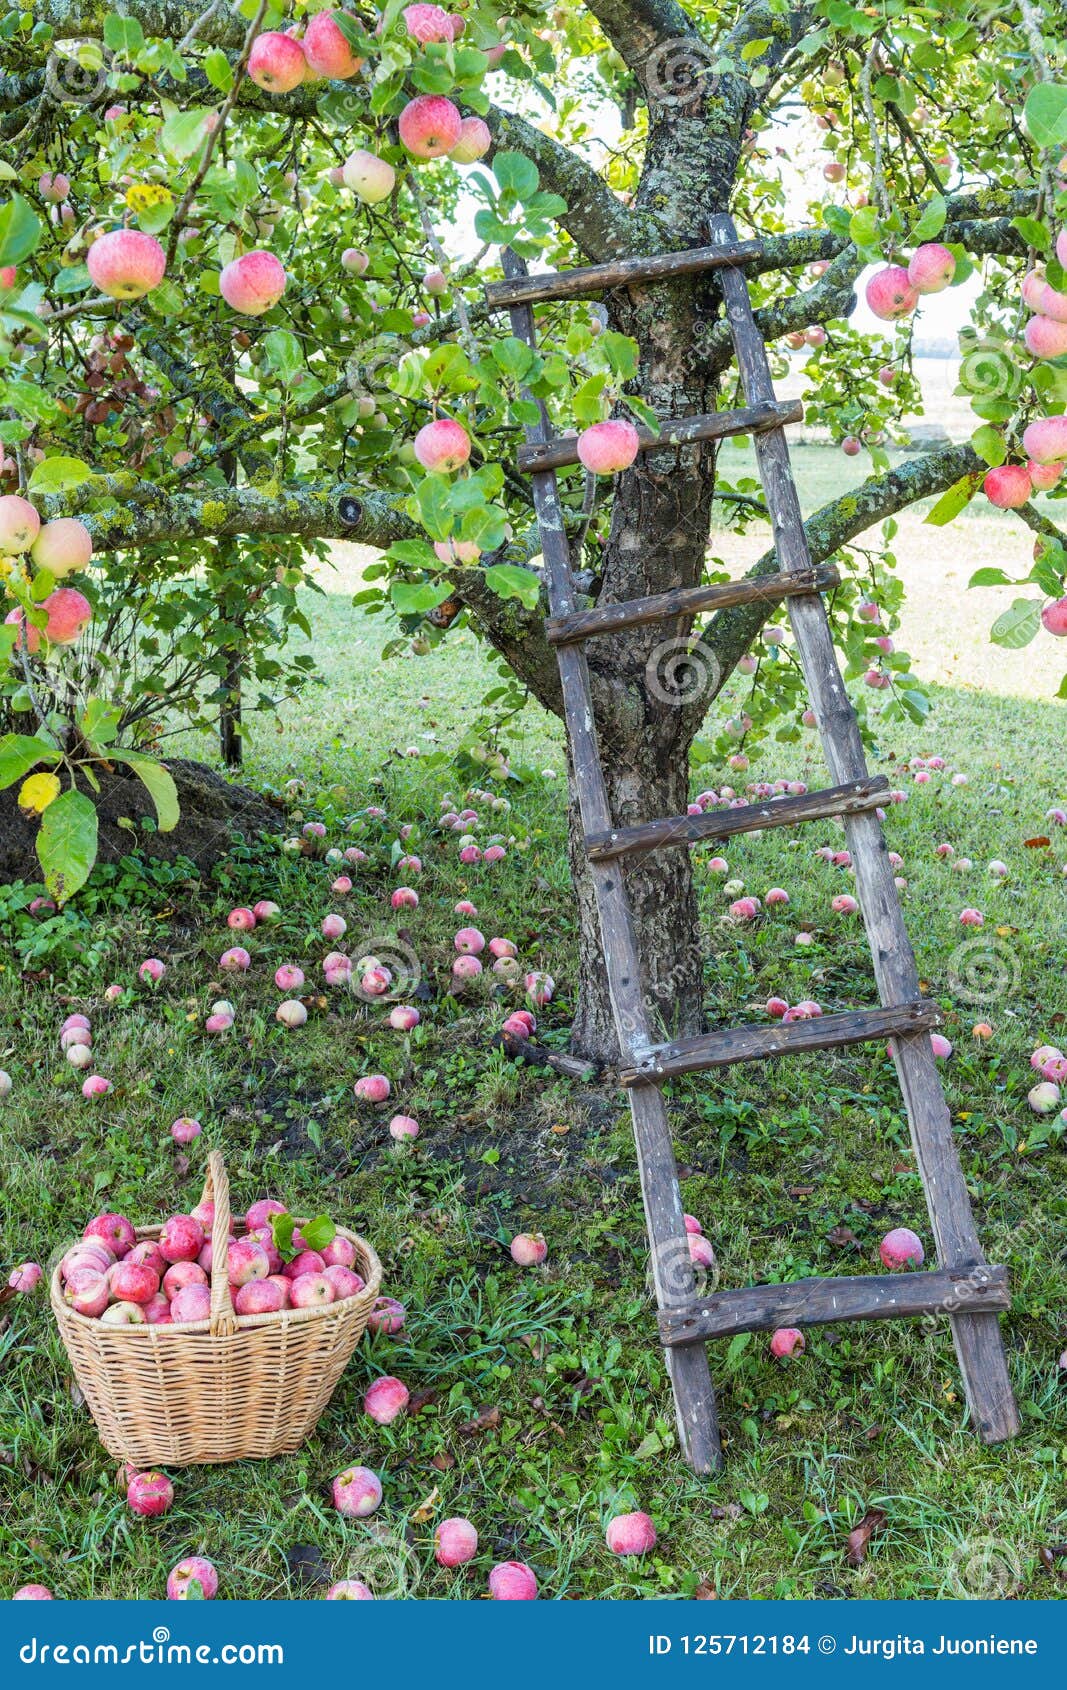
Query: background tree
x=937 y=123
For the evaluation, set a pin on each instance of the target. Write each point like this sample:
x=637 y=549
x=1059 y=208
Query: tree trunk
x=651 y=685
x=230 y=716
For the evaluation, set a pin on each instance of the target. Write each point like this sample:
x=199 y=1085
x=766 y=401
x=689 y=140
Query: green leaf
x=124 y=36
x=1014 y=629
x=319 y=1232
x=1033 y=233
x=160 y=784
x=66 y=843
x=1045 y=113
x=283 y=1226
x=19 y=753
x=989 y=443
x=99 y=721
x=516 y=174
x=513 y=356
x=958 y=497
x=416 y=598
x=510 y=581
x=217 y=70
x=990 y=578
x=183 y=133
x=284 y=353
x=20 y=230
x=58 y=475
x=932 y=221
x=434 y=503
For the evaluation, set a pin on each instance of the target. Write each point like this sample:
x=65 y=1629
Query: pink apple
x=277 y=62
x=512 y=1581
x=33 y=1593
x=254 y=283
x=1045 y=337
x=266 y=911
x=193 y=1577
x=455 y=1542
x=126 y=264
x=62 y=546
x=25 y=1277
x=387 y=1316
x=442 y=446
x=307 y=1261
x=157 y=1311
x=149 y=1494
x=311 y=1291
x=355 y=261
x=357 y=1492
x=178 y=1276
x=289 y=978
x=405 y=898
x=427 y=23
x=181 y=1239
x=152 y=970
x=123 y=1314
x=1044 y=1097
x=890 y=293
x=932 y=268
x=259 y=1296
x=631 y=1534
x=260 y=1212
x=283 y=1286
x=246 y=1260
x=348 y=1590
x=19 y=525
x=372 y=1088
x=404 y=1017
x=528 y=1249
x=1054 y=618
x=241 y=919
x=787 y=1341
x=1045 y=439
x=469 y=942
x=605 y=448
x=115 y=1231
x=430 y=126
x=68 y=612
x=370 y=178
x=386 y=1398
x=403 y=1126
x=971 y=918
x=235 y=961
x=901 y=1248
x=134 y=1282
x=326 y=48
x=1008 y=486
x=342 y=1281
x=191 y=1303
x=87 y=1291
x=339 y=1252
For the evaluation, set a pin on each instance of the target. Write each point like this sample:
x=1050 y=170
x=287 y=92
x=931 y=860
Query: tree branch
x=730 y=633
x=598 y=223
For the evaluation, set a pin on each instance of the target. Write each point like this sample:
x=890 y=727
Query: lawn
x=539 y=1401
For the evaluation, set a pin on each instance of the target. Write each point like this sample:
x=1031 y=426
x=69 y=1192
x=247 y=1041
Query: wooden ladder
x=963 y=1287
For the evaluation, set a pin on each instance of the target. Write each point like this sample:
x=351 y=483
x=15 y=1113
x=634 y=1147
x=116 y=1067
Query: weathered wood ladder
x=962 y=1287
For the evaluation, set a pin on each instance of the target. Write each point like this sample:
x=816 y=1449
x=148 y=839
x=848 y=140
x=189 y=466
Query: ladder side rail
x=673 y=1273
x=979 y=1343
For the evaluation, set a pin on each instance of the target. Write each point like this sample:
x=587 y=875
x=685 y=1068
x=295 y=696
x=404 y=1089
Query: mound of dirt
x=212 y=811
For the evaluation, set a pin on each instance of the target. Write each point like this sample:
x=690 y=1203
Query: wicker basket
x=231 y=1388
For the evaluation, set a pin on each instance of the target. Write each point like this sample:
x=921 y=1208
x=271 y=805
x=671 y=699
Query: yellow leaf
x=37 y=792
x=144 y=194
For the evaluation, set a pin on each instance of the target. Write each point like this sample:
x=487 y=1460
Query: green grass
x=776 y=1161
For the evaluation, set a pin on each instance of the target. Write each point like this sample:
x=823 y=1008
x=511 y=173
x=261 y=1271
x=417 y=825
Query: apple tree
x=281 y=218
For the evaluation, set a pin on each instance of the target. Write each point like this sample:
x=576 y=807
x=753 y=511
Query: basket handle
x=217 y=1188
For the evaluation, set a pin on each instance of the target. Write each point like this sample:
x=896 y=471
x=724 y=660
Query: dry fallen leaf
x=486 y=1420
x=705 y=1592
x=1038 y=843
x=426 y=1508
x=860 y=1536
x=443 y=1461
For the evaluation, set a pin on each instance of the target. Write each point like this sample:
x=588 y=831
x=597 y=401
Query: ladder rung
x=535 y=458
x=818 y=1302
x=689 y=601
x=661 y=267
x=847 y=800
x=757 y=1044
